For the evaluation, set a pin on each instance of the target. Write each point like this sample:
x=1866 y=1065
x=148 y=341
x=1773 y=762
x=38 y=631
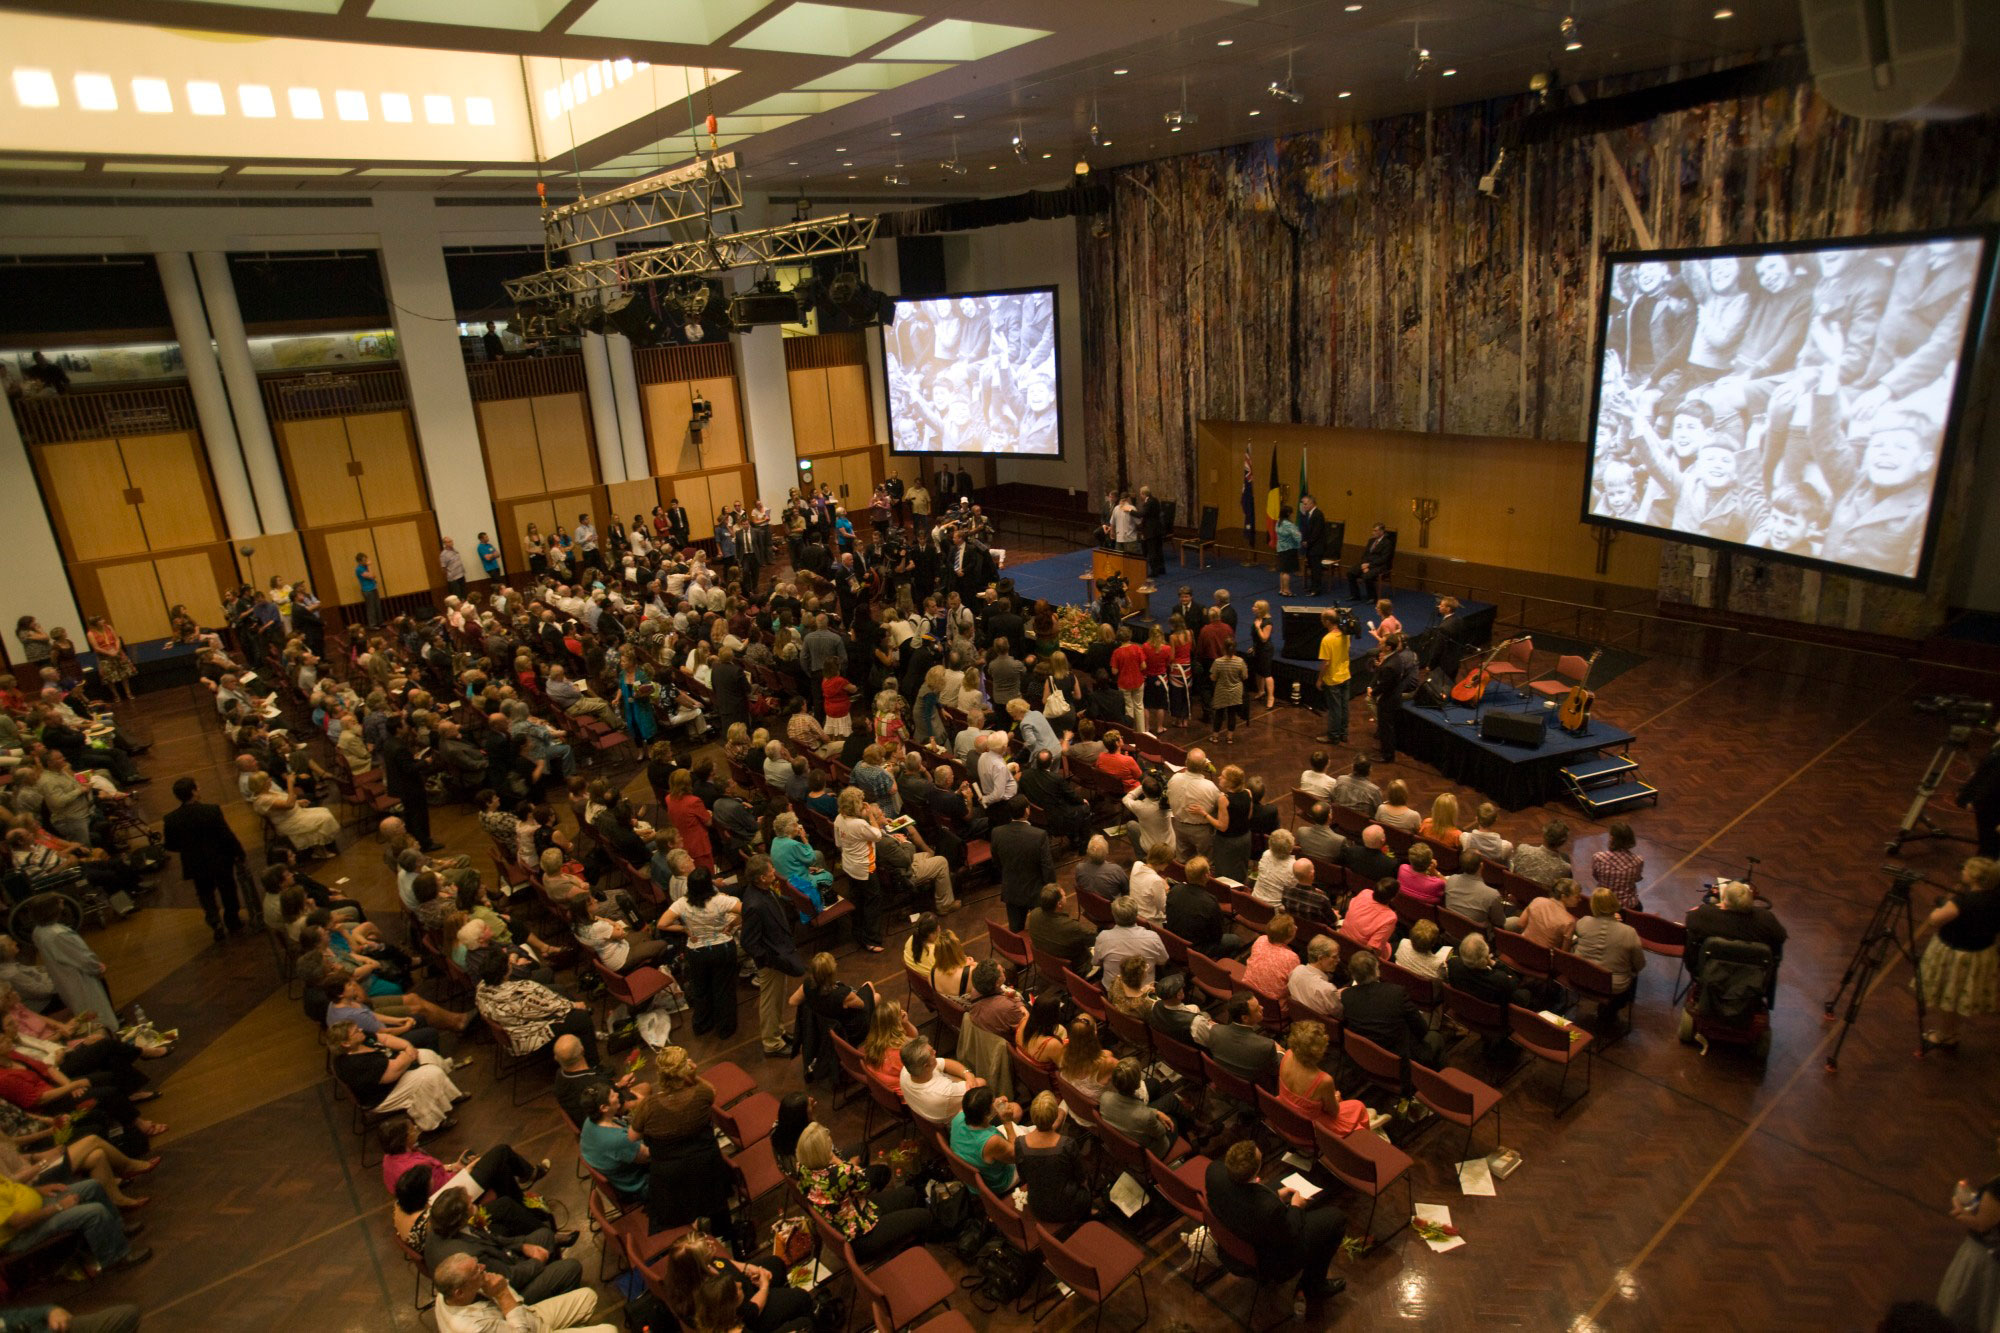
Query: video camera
x=1961 y=710
x=1345 y=622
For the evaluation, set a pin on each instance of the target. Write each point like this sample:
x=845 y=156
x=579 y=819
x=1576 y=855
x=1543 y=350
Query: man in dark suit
x=946 y=489
x=1365 y=855
x=729 y=689
x=1026 y=862
x=1153 y=531
x=1312 y=541
x=1067 y=808
x=403 y=778
x=209 y=852
x=1288 y=1237
x=1376 y=557
x=529 y=1263
x=677 y=523
x=1383 y=1012
x=964 y=483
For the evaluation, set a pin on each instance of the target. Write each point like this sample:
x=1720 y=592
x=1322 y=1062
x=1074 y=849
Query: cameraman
x=1981 y=795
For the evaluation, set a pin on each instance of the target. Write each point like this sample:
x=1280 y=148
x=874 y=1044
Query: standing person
x=1392 y=681
x=1261 y=650
x=114 y=664
x=77 y=972
x=1335 y=674
x=711 y=920
x=1153 y=531
x=1288 y=550
x=1960 y=971
x=453 y=565
x=1981 y=795
x=1969 y=1296
x=371 y=588
x=856 y=829
x=403 y=777
x=210 y=852
x=1312 y=541
x=1227 y=675
x=489 y=556
x=767 y=939
x=1026 y=861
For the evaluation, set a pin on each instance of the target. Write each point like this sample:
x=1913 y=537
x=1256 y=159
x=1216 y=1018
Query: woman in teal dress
x=635 y=701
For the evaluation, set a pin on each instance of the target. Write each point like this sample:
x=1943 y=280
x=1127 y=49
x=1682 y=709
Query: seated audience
x=1307 y=1088
x=983 y=1134
x=933 y=1087
x=1287 y=1237
x=1603 y=939
x=1547 y=863
x=878 y=1220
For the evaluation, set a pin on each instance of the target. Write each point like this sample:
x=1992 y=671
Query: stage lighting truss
x=784 y=245
x=686 y=199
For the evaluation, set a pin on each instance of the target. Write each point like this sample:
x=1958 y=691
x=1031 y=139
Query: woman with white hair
x=1274 y=868
x=308 y=828
x=386 y=1073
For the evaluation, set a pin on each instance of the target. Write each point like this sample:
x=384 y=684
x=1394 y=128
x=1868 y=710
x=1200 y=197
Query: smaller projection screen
x=974 y=374
x=1798 y=401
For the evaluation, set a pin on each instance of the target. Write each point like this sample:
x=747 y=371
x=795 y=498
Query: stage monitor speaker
x=1430 y=692
x=1523 y=728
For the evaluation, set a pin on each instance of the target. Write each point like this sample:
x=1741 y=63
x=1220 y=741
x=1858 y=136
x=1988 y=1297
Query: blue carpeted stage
x=1059 y=579
x=1513 y=775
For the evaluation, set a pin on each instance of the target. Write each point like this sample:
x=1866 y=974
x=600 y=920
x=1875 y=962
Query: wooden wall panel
x=192 y=578
x=171 y=475
x=513 y=459
x=812 y=419
x=567 y=507
x=1502 y=501
x=627 y=498
x=569 y=459
x=853 y=420
x=722 y=438
x=391 y=480
x=693 y=494
x=279 y=553
x=724 y=488
x=404 y=561
x=667 y=413
x=130 y=594
x=86 y=482
x=339 y=546
x=324 y=491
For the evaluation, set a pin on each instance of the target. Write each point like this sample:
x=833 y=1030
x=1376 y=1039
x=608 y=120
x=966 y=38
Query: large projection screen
x=974 y=374
x=1798 y=401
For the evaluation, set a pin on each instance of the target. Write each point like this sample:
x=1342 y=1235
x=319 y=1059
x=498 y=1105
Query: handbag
x=1054 y=705
x=791 y=1240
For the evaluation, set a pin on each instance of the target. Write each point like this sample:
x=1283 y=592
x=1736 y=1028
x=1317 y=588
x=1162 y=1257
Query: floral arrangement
x=1076 y=626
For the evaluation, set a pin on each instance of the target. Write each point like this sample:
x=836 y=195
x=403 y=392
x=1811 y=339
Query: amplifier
x=1523 y=728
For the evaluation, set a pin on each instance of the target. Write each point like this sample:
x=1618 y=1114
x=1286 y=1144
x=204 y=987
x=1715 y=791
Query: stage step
x=1604 y=800
x=1598 y=771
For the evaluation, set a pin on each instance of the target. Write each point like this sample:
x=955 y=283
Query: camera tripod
x=1918 y=825
x=1893 y=926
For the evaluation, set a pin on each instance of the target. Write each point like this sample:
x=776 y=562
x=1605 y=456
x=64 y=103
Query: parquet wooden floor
x=1685 y=1192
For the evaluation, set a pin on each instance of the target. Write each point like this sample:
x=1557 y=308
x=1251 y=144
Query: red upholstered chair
x=1049 y=966
x=1381 y=1065
x=1178 y=947
x=902 y=1289
x=1288 y=1123
x=748 y=1120
x=1366 y=1162
x=1184 y=1058
x=1217 y=979
x=1229 y=1083
x=1558 y=1045
x=1595 y=984
x=1459 y=1098
x=1424 y=992
x=1094 y=1261
x=730 y=1082
x=1014 y=1228
x=1250 y=913
x=1484 y=1017
x=756 y=1169
x=1089 y=996
x=1512 y=664
x=1184 y=1186
x=1133 y=1032
x=1455 y=927
x=1523 y=955
x=1030 y=1075
x=1570 y=671
x=1239 y=1257
x=1010 y=945
x=1662 y=936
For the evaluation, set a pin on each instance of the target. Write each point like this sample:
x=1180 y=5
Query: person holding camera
x=1981 y=795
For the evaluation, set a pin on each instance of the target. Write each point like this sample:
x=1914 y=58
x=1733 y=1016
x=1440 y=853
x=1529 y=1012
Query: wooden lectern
x=1103 y=564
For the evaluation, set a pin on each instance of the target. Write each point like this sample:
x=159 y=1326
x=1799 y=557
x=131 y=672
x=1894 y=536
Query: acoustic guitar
x=1471 y=687
x=1574 y=716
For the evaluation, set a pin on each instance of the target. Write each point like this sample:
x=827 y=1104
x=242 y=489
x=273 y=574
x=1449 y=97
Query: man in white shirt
x=1316 y=779
x=1311 y=984
x=933 y=1089
x=1125 y=938
x=585 y=538
x=1147 y=888
x=472 y=1300
x=967 y=739
x=1188 y=792
x=997 y=779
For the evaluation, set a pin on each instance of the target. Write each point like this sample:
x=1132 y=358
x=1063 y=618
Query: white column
x=211 y=400
x=767 y=413
x=37 y=581
x=246 y=399
x=631 y=419
x=603 y=409
x=440 y=397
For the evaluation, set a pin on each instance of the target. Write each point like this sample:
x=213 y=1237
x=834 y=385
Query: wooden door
x=387 y=459
x=131 y=597
x=851 y=418
x=324 y=489
x=513 y=456
x=171 y=478
x=569 y=460
x=86 y=485
x=812 y=421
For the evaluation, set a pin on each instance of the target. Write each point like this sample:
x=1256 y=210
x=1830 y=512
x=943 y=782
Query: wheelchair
x=28 y=899
x=1729 y=999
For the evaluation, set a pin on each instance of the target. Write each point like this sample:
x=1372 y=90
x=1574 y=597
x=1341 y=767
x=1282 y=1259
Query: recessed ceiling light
x=479 y=111
x=791 y=164
x=840 y=150
x=1448 y=73
x=847 y=164
x=305 y=104
x=1121 y=71
x=96 y=92
x=396 y=108
x=1105 y=144
x=152 y=96
x=205 y=99
x=1573 y=46
x=1345 y=93
x=1725 y=13
x=1254 y=113
x=993 y=166
x=438 y=109
x=1225 y=41
x=853 y=177
x=895 y=134
x=1354 y=9
x=1048 y=154
x=256 y=101
x=36 y=88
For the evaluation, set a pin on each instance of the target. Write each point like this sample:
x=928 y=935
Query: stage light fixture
x=1096 y=140
x=1489 y=184
x=768 y=303
x=859 y=302
x=1571 y=34
x=1180 y=117
x=702 y=315
x=1083 y=166
x=1020 y=153
x=1285 y=91
x=951 y=166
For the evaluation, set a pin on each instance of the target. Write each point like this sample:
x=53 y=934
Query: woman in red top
x=114 y=665
x=689 y=815
x=838 y=695
x=1159 y=660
